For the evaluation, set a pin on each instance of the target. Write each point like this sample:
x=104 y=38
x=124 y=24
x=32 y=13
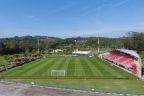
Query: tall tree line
x=135 y=41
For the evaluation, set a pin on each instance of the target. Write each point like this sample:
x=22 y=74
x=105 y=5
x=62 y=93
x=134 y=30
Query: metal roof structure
x=130 y=52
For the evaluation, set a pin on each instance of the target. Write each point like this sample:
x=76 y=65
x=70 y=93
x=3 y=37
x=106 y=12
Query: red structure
x=127 y=59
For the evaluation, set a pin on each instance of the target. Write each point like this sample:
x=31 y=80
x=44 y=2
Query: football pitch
x=79 y=67
x=85 y=73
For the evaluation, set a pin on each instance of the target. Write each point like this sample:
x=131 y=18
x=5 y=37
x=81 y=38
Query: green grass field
x=81 y=73
x=3 y=60
x=74 y=67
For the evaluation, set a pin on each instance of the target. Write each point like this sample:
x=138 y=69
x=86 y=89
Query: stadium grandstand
x=128 y=60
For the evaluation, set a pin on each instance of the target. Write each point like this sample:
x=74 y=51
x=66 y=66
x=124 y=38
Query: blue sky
x=69 y=18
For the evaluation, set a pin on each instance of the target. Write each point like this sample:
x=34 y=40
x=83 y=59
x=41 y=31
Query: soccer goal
x=57 y=73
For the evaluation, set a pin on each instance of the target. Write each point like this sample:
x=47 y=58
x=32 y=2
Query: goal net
x=57 y=73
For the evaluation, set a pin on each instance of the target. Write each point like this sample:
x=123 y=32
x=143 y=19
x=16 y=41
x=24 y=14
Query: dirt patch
x=18 y=89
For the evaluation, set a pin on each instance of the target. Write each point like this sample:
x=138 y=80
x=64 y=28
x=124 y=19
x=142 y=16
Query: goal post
x=57 y=73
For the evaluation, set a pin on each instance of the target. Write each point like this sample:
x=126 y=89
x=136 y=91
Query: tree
x=135 y=41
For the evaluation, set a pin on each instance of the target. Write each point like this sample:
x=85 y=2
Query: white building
x=57 y=50
x=88 y=53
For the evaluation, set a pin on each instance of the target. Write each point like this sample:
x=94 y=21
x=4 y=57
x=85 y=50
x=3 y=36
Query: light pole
x=47 y=44
x=75 y=43
x=38 y=45
x=98 y=45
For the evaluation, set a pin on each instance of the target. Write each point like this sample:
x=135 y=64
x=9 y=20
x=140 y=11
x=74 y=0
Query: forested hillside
x=26 y=44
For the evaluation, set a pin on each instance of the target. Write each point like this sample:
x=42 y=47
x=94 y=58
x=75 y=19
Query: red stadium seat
x=122 y=59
